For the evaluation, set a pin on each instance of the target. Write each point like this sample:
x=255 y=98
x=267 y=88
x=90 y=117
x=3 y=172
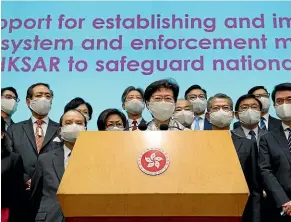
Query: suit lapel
x=280 y=136
x=58 y=162
x=237 y=142
x=50 y=132
x=207 y=124
x=28 y=128
x=240 y=132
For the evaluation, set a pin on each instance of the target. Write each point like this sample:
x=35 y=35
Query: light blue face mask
x=115 y=128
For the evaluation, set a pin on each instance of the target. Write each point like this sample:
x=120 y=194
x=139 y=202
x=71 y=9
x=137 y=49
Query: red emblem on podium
x=153 y=162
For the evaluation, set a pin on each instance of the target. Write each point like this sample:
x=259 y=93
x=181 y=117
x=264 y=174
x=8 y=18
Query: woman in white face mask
x=111 y=120
x=160 y=97
x=82 y=106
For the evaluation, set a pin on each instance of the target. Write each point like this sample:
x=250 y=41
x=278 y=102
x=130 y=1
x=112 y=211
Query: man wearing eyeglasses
x=267 y=122
x=220 y=114
x=248 y=109
x=275 y=158
x=198 y=98
x=9 y=101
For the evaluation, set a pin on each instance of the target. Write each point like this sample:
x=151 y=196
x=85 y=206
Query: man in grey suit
x=50 y=169
x=34 y=136
x=248 y=109
x=133 y=103
x=220 y=115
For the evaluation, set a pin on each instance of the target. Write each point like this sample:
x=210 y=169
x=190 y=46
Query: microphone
x=142 y=126
x=165 y=127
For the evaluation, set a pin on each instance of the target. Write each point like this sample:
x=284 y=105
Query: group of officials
x=35 y=152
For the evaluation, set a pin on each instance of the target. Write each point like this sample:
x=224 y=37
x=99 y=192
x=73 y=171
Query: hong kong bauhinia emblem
x=153 y=162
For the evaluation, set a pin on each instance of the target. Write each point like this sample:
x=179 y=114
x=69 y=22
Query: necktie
x=39 y=135
x=289 y=138
x=253 y=136
x=67 y=160
x=134 y=125
x=262 y=124
x=197 y=126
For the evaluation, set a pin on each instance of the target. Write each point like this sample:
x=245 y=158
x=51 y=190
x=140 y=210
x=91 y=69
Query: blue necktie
x=262 y=124
x=253 y=136
x=197 y=126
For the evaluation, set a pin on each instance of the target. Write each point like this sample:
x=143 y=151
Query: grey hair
x=218 y=96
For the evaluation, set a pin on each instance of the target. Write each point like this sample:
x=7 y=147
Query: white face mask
x=199 y=105
x=134 y=106
x=115 y=128
x=250 y=116
x=41 y=106
x=87 y=118
x=70 y=132
x=284 y=112
x=185 y=117
x=8 y=106
x=266 y=104
x=221 y=118
x=162 y=110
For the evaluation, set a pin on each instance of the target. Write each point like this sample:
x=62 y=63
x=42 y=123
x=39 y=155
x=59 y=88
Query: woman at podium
x=161 y=97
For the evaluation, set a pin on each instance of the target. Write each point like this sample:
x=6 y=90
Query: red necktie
x=134 y=123
x=39 y=135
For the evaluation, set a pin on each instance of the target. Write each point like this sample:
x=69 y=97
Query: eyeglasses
x=134 y=97
x=265 y=95
x=251 y=106
x=217 y=108
x=7 y=96
x=169 y=99
x=280 y=101
x=193 y=96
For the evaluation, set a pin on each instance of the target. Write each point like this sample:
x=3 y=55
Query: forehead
x=41 y=88
x=196 y=92
x=133 y=93
x=73 y=115
x=8 y=92
x=182 y=103
x=283 y=94
x=220 y=102
x=113 y=118
x=82 y=107
x=163 y=92
x=249 y=101
x=259 y=91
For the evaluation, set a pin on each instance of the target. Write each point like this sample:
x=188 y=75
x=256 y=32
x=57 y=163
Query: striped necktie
x=289 y=138
x=262 y=124
x=39 y=135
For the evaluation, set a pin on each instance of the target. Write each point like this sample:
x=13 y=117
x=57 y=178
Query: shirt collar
x=266 y=116
x=45 y=119
x=67 y=151
x=137 y=120
x=246 y=131
x=285 y=127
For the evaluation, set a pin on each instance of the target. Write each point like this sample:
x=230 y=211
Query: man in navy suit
x=267 y=122
x=133 y=103
x=198 y=98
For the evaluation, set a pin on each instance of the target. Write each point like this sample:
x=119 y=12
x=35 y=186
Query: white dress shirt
x=266 y=120
x=130 y=121
x=67 y=154
x=201 y=122
x=285 y=127
x=43 y=126
x=246 y=131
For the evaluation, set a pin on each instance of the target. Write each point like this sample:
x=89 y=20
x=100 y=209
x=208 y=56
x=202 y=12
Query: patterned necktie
x=289 y=138
x=262 y=124
x=197 y=126
x=39 y=135
x=253 y=136
x=134 y=125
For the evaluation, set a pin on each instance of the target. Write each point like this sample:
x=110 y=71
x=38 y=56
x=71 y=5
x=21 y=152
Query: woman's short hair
x=101 y=122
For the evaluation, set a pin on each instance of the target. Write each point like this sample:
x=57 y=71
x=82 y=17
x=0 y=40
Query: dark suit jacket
x=12 y=186
x=127 y=128
x=272 y=124
x=247 y=152
x=20 y=139
x=240 y=132
x=275 y=165
x=44 y=185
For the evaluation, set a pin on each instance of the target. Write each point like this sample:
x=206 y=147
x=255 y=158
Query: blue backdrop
x=103 y=90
